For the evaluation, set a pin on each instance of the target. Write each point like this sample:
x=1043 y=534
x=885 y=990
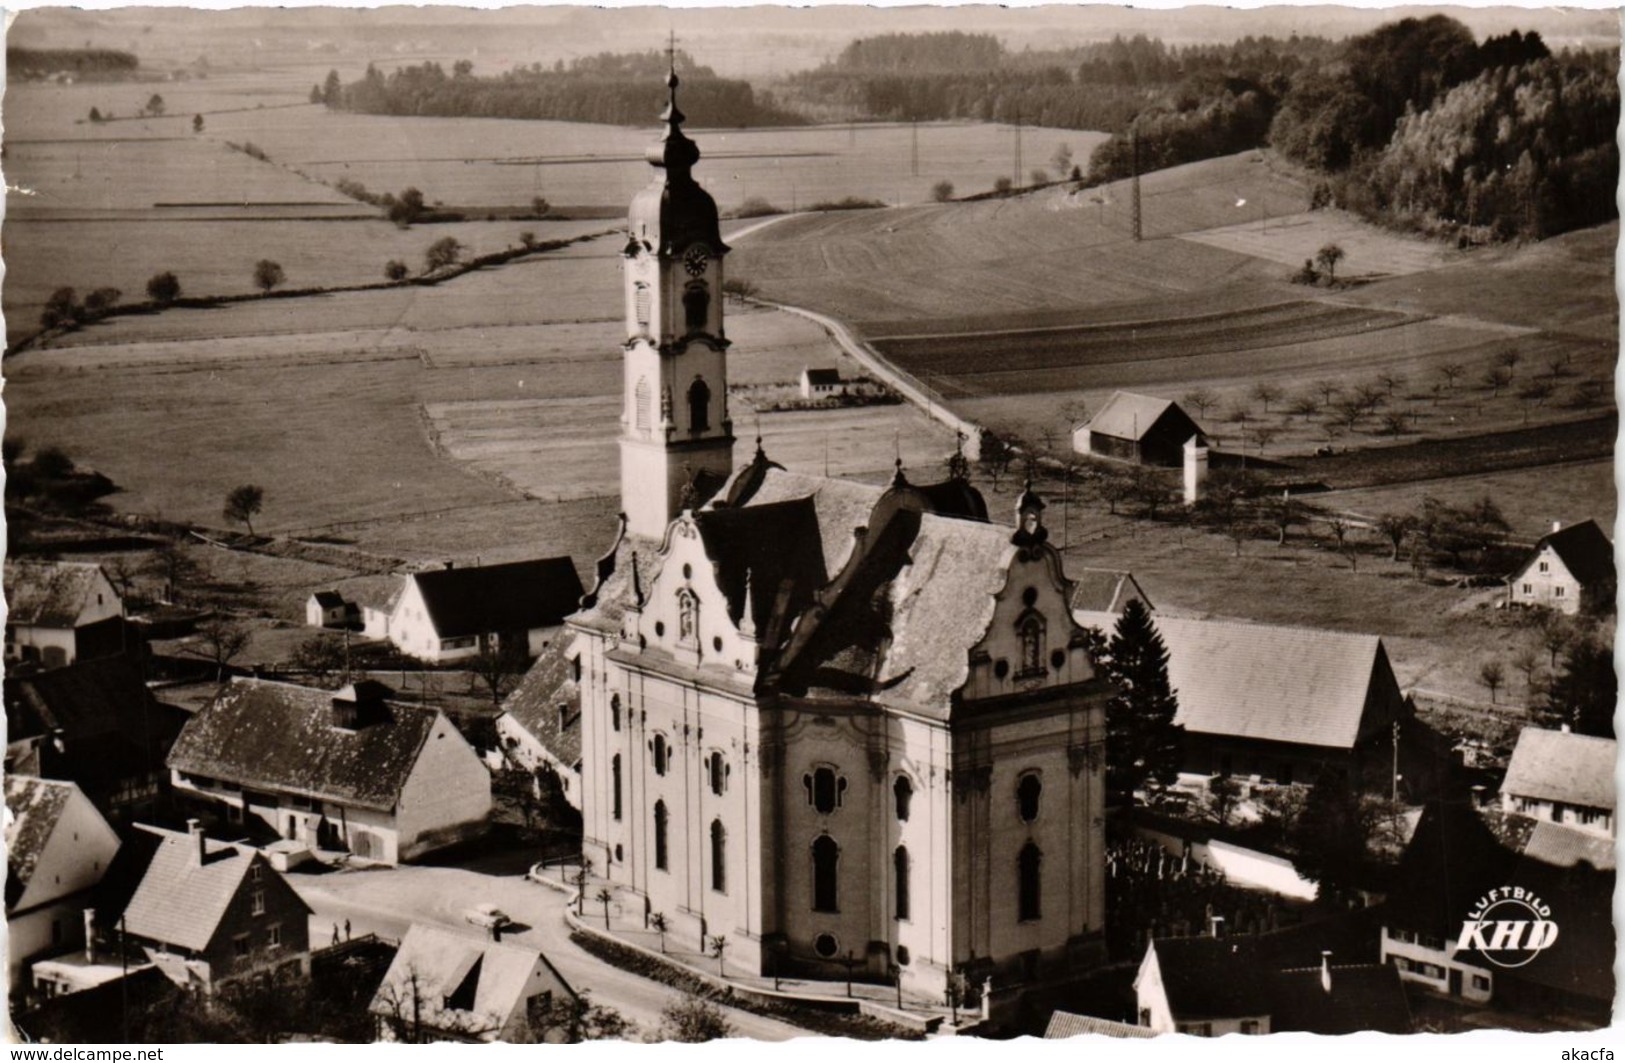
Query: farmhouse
x=540 y=725
x=449 y=986
x=97 y=724
x=451 y=614
x=1211 y=986
x=336 y=770
x=58 y=847
x=207 y=913
x=1562 y=778
x=61 y=611
x=1570 y=569
x=821 y=718
x=1137 y=428
x=329 y=609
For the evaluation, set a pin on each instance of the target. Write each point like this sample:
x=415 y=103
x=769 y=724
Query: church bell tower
x=676 y=433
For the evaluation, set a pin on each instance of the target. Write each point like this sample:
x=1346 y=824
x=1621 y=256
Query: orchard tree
x=442 y=253
x=942 y=191
x=267 y=274
x=163 y=288
x=100 y=301
x=197 y=123
x=1142 y=740
x=62 y=308
x=693 y=1019
x=155 y=106
x=395 y=270
x=1328 y=257
x=243 y=503
x=1492 y=675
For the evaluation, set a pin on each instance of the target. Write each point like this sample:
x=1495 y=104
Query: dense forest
x=612 y=89
x=92 y=64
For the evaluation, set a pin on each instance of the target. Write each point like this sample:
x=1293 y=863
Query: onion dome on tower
x=674 y=212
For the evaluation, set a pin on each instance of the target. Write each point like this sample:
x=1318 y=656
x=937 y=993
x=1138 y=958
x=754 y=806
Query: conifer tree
x=1142 y=740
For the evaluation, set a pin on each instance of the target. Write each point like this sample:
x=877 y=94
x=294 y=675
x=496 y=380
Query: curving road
x=386 y=900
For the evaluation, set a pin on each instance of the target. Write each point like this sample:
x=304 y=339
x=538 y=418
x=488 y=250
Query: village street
x=386 y=900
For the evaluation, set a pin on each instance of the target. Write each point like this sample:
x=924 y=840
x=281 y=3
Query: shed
x=1137 y=428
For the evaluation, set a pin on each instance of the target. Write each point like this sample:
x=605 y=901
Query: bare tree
x=1492 y=676
x=659 y=924
x=1304 y=405
x=220 y=640
x=1395 y=527
x=719 y=949
x=1326 y=389
x=1508 y=360
x=1452 y=371
x=268 y=274
x=243 y=503
x=1328 y=257
x=1265 y=393
x=1203 y=399
x=1495 y=378
x=603 y=897
x=498 y=667
x=1527 y=661
x=176 y=568
x=1535 y=392
x=1390 y=381
x=1264 y=435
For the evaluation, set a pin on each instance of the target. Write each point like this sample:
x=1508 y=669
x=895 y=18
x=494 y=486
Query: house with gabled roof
x=348 y=770
x=453 y=613
x=96 y=723
x=540 y=724
x=1569 y=569
x=1106 y=591
x=1137 y=428
x=1562 y=778
x=330 y=609
x=206 y=912
x=58 y=612
x=1064 y=1024
x=58 y=847
x=448 y=985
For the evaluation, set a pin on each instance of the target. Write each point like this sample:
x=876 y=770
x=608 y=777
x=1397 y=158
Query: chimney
x=195 y=829
x=90 y=935
x=1215 y=926
x=1196 y=458
x=450 y=565
x=496 y=933
x=1564 y=727
x=1326 y=970
x=1557 y=525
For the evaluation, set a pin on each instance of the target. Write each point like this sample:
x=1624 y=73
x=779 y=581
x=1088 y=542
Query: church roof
x=772 y=550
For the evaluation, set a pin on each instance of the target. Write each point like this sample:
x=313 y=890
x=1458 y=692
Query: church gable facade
x=830 y=723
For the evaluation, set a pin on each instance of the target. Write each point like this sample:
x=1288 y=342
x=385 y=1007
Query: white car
x=487 y=915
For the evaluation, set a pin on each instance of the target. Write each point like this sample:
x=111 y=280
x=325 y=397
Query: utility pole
x=1396 y=762
x=1134 y=169
x=1015 y=178
x=914 y=148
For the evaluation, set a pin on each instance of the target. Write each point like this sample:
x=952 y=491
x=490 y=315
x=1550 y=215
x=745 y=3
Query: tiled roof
x=823 y=376
x=34 y=807
x=49 y=594
x=841 y=506
x=775 y=550
x=89 y=700
x=1585 y=551
x=534 y=704
x=1561 y=846
x=497 y=598
x=1559 y=766
x=181 y=900
x=1280 y=684
x=1212 y=978
x=280 y=737
x=1128 y=415
x=1066 y=1024
x=434 y=965
x=1363 y=997
x=328 y=599
x=1102 y=590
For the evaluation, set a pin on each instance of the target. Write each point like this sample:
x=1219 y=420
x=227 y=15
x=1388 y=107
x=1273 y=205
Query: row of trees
x=614 y=89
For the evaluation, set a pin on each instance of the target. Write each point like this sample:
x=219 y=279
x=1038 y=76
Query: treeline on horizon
x=627 y=89
x=82 y=62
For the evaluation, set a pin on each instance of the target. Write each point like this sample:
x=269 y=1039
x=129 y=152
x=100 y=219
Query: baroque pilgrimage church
x=827 y=721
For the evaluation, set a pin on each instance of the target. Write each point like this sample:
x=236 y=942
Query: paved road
x=386 y=900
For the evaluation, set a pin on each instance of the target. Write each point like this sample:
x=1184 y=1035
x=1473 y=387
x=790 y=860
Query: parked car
x=487 y=915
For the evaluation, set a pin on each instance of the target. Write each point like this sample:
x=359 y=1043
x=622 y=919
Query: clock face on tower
x=696 y=259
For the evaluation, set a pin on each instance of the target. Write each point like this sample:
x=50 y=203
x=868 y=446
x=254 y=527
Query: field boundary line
x=895 y=378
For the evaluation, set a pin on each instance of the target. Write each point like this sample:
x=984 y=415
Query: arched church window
x=826 y=857
x=719 y=856
x=903 y=791
x=640 y=402
x=900 y=872
x=1027 y=794
x=688 y=617
x=615 y=773
x=717 y=769
x=641 y=299
x=699 y=406
x=1028 y=887
x=825 y=790
x=662 y=754
x=660 y=835
x=1031 y=630
x=696 y=304
x=615 y=711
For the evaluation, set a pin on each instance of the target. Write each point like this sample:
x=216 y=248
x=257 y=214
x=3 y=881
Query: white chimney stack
x=90 y=935
x=1557 y=525
x=1326 y=970
x=1196 y=454
x=195 y=829
x=1215 y=925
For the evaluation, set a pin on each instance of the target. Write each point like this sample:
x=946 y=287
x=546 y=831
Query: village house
x=825 y=720
x=446 y=985
x=1211 y=986
x=1106 y=591
x=348 y=769
x=205 y=912
x=96 y=723
x=1569 y=569
x=452 y=614
x=1563 y=778
x=820 y=383
x=329 y=609
x=1137 y=428
x=1457 y=855
x=58 y=847
x=1064 y=1024
x=540 y=725
x=59 y=612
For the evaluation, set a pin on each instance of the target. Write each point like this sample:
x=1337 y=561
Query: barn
x=1137 y=428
